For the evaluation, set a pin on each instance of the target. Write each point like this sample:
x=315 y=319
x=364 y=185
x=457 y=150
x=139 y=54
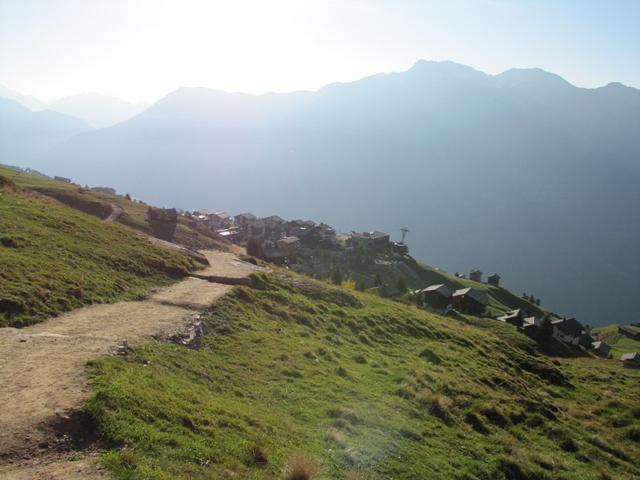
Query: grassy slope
x=134 y=213
x=500 y=299
x=620 y=343
x=55 y=259
x=367 y=384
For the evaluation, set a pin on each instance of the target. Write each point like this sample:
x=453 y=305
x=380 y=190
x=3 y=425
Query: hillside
x=55 y=259
x=361 y=388
x=619 y=343
x=495 y=172
x=500 y=300
x=132 y=213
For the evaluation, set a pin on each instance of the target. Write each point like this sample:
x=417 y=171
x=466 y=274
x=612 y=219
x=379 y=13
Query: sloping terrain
x=619 y=343
x=43 y=376
x=365 y=387
x=130 y=212
x=55 y=259
x=499 y=299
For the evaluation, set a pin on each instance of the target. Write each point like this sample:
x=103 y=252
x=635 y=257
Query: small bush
x=302 y=467
x=495 y=416
x=473 y=419
x=634 y=434
x=564 y=439
x=430 y=356
x=439 y=405
x=257 y=456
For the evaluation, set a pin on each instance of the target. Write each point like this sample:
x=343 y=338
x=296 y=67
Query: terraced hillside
x=339 y=384
x=55 y=258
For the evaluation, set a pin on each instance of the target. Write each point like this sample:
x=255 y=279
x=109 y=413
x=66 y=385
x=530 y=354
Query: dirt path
x=116 y=211
x=42 y=374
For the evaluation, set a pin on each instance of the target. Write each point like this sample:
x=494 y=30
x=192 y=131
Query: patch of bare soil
x=42 y=374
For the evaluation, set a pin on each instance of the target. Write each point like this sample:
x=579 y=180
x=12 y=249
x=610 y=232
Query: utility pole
x=404 y=231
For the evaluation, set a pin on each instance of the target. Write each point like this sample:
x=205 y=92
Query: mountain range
x=519 y=173
x=97 y=110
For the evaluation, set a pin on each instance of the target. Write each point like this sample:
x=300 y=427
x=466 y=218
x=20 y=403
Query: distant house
x=475 y=275
x=514 y=317
x=601 y=348
x=289 y=245
x=437 y=296
x=273 y=221
x=469 y=300
x=62 y=179
x=530 y=326
x=106 y=190
x=243 y=220
x=628 y=332
x=494 y=279
x=567 y=330
x=631 y=359
x=257 y=228
x=219 y=220
x=371 y=239
x=400 y=248
x=230 y=234
x=274 y=255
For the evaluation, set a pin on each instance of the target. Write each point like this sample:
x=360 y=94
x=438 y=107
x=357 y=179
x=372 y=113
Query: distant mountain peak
x=532 y=76
x=444 y=67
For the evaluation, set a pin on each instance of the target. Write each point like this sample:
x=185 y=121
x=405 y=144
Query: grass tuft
x=302 y=467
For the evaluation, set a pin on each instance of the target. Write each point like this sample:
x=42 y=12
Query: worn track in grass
x=42 y=375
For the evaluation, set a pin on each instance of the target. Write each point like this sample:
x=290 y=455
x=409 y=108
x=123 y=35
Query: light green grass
x=365 y=384
x=134 y=213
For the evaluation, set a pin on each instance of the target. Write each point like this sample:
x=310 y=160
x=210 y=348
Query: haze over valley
x=519 y=173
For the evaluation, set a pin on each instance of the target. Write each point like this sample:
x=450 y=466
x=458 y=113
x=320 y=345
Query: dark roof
x=630 y=357
x=441 y=289
x=569 y=326
x=494 y=275
x=371 y=235
x=603 y=347
x=247 y=215
x=473 y=294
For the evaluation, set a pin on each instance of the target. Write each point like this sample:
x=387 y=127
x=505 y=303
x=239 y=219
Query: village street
x=42 y=367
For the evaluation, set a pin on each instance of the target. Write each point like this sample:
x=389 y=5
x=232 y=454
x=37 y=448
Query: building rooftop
x=471 y=293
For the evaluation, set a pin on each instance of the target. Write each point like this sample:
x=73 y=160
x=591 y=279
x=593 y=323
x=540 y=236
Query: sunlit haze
x=142 y=49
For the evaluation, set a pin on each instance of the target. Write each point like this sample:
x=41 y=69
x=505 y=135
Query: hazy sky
x=142 y=49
